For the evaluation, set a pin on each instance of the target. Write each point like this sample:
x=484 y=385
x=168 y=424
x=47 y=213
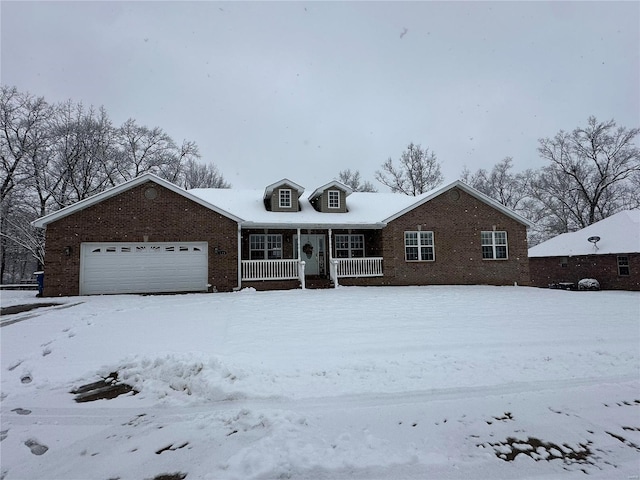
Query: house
x=148 y=235
x=608 y=251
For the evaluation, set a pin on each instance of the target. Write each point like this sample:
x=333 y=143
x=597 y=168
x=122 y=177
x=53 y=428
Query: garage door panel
x=143 y=267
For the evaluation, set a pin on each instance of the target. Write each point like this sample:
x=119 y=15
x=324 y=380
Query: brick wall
x=456 y=219
x=129 y=217
x=604 y=268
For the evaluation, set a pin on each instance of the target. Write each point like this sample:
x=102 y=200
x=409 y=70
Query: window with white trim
x=334 y=199
x=623 y=266
x=265 y=246
x=419 y=247
x=349 y=246
x=285 y=198
x=494 y=245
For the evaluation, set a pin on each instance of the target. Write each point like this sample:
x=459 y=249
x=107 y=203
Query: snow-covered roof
x=365 y=209
x=284 y=182
x=619 y=233
x=334 y=184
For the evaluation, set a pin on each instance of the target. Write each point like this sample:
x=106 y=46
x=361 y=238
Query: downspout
x=239 y=258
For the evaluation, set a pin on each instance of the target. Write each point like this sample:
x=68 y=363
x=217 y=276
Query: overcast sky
x=305 y=89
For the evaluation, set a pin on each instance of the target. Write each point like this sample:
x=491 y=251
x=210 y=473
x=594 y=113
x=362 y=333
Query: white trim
x=285 y=194
x=419 y=246
x=494 y=245
x=329 y=195
x=268 y=191
x=349 y=249
x=334 y=184
x=471 y=191
x=123 y=187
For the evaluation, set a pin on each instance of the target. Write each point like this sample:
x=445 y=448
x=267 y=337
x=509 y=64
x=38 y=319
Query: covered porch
x=279 y=255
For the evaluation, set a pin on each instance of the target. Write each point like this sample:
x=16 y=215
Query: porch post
x=239 y=257
x=300 y=263
x=333 y=271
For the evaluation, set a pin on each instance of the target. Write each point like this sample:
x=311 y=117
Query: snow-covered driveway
x=398 y=382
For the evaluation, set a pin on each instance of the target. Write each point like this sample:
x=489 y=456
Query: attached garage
x=143 y=267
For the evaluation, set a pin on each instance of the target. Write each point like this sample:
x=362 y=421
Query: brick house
x=148 y=235
x=608 y=250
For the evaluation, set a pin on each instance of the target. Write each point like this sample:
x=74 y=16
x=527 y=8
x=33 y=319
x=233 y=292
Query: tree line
x=53 y=155
x=591 y=173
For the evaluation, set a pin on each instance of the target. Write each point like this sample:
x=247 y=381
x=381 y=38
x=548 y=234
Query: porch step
x=317 y=282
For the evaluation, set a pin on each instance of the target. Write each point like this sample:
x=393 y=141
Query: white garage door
x=143 y=267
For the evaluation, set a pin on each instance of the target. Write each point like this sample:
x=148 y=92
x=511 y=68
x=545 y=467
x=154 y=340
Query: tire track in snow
x=115 y=415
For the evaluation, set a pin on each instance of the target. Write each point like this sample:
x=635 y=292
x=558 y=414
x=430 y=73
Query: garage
x=143 y=267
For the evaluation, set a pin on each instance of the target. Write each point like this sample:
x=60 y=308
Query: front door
x=313 y=253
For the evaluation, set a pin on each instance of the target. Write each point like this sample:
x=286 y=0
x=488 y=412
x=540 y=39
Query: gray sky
x=305 y=89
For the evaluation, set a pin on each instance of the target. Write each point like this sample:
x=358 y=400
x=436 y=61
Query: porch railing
x=270 y=269
x=359 y=267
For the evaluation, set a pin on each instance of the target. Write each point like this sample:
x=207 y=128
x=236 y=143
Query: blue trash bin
x=40 y=279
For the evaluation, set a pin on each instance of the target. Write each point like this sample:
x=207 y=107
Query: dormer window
x=285 y=198
x=331 y=198
x=334 y=199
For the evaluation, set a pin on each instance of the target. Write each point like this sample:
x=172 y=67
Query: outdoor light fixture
x=67 y=251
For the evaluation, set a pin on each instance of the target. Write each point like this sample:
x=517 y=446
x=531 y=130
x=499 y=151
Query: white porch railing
x=359 y=267
x=270 y=269
x=289 y=269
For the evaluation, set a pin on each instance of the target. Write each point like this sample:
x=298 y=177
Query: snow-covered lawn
x=398 y=382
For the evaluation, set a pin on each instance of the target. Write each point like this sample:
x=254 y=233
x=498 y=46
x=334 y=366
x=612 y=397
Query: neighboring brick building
x=148 y=235
x=608 y=251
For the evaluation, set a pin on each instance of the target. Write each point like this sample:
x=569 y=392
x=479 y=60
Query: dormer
x=331 y=198
x=283 y=196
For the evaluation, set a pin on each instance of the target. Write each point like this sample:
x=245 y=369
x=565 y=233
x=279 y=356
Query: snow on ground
x=363 y=383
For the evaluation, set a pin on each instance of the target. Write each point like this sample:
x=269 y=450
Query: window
x=349 y=246
x=285 y=198
x=494 y=245
x=418 y=247
x=262 y=247
x=334 y=199
x=623 y=266
x=564 y=262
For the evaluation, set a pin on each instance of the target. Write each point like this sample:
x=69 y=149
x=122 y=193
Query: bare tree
x=352 y=180
x=418 y=172
x=83 y=150
x=510 y=189
x=198 y=175
x=591 y=174
x=23 y=126
x=178 y=161
x=22 y=122
x=142 y=150
x=55 y=155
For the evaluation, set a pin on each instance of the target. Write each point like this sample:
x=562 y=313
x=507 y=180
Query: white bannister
x=333 y=272
x=359 y=267
x=270 y=269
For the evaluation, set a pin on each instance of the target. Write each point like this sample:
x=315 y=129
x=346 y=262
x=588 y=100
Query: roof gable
x=334 y=184
x=619 y=233
x=112 y=192
x=285 y=182
x=425 y=197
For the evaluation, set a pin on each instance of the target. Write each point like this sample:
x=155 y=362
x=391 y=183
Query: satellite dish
x=595 y=239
